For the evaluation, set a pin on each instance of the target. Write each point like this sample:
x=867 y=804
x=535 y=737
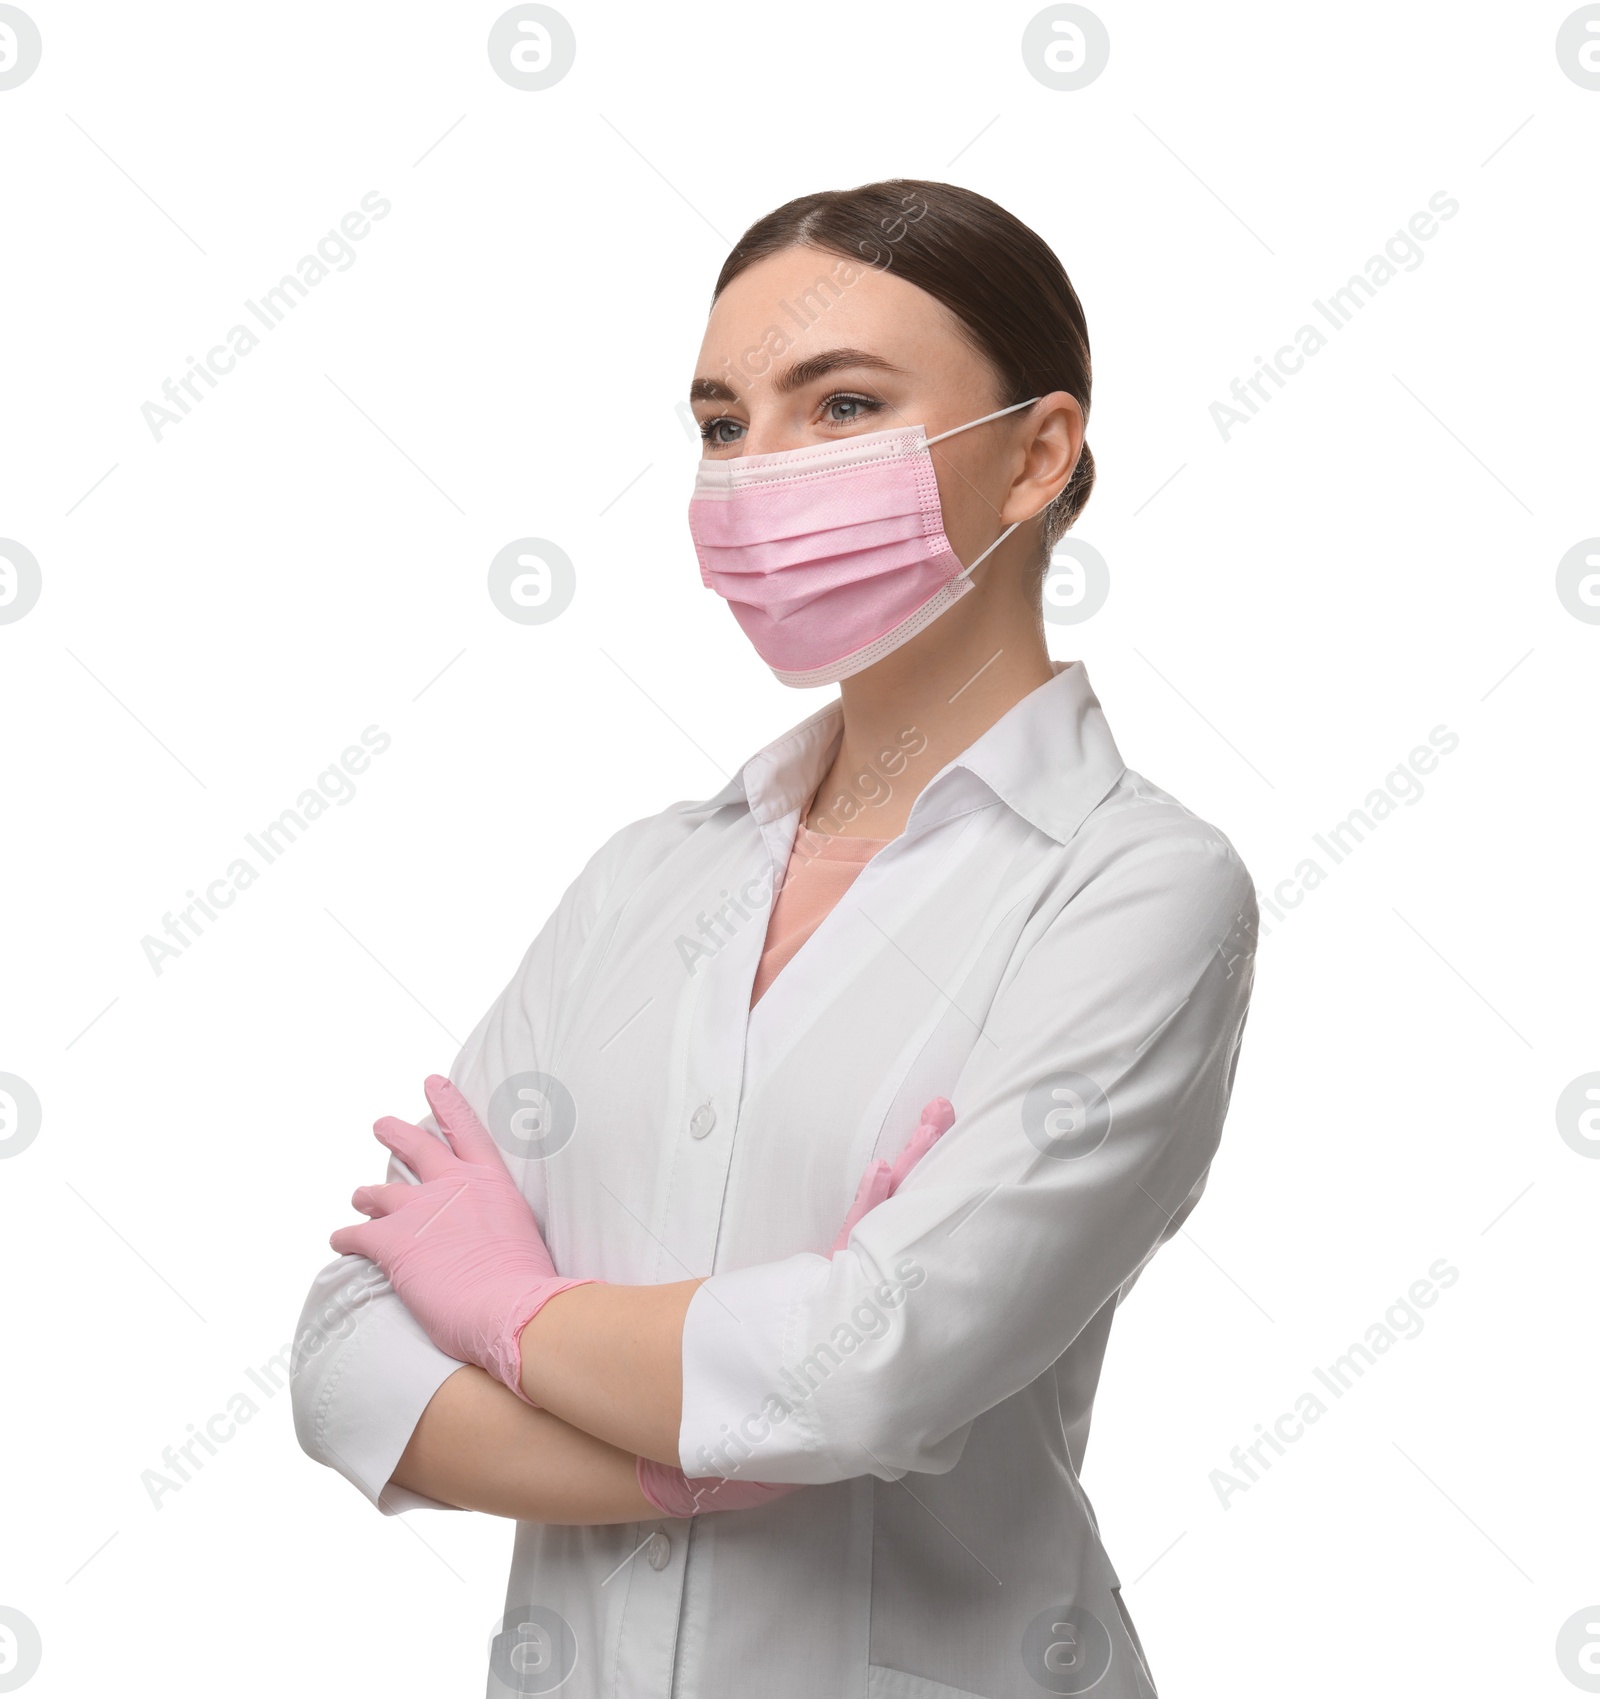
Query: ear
x=1052 y=441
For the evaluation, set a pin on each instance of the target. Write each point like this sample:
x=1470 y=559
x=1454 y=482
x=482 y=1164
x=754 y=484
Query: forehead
x=801 y=301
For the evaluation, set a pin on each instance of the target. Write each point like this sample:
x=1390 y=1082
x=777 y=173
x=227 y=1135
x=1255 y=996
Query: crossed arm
x=568 y=1384
x=479 y=1447
x=1088 y=1125
x=608 y=1359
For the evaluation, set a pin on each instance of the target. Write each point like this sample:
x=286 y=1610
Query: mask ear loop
x=988 y=551
x=957 y=432
x=973 y=423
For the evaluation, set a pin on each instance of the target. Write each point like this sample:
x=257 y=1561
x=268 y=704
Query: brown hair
x=1000 y=279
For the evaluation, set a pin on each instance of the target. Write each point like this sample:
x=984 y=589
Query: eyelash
x=865 y=403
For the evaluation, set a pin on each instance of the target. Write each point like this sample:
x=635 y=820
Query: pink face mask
x=831 y=556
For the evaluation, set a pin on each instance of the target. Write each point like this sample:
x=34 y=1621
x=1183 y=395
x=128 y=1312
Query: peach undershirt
x=821 y=869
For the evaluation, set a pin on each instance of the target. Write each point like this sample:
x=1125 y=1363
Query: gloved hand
x=882 y=1180
x=675 y=1494
x=461 y=1248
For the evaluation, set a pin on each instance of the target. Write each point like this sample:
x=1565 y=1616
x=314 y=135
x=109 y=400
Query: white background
x=1372 y=556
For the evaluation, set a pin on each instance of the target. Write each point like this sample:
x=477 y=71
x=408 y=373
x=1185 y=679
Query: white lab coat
x=1054 y=944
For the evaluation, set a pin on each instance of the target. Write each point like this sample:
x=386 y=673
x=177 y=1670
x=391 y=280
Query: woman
x=994 y=953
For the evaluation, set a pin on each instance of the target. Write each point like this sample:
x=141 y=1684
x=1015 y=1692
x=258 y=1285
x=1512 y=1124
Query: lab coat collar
x=1050 y=759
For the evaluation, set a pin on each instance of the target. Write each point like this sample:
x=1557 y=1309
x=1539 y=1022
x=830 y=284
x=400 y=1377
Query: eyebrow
x=801 y=373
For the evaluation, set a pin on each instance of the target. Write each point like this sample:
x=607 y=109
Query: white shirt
x=1055 y=945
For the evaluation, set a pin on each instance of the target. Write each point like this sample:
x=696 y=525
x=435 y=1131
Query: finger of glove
x=716 y=1494
x=379 y=1201
x=937 y=1118
x=427 y=1157
x=872 y=1190
x=405 y=1211
x=363 y=1240
x=675 y=1494
x=666 y=1487
x=468 y=1136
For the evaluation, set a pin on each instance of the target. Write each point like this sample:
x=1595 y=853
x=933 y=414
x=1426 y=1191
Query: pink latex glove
x=882 y=1180
x=675 y=1494
x=461 y=1248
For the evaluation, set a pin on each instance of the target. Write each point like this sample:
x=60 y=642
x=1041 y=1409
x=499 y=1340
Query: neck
x=909 y=714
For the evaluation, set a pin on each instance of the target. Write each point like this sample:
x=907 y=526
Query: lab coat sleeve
x=1087 y=1114
x=363 y=1370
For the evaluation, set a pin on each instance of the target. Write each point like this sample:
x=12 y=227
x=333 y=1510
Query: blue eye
x=712 y=431
x=849 y=409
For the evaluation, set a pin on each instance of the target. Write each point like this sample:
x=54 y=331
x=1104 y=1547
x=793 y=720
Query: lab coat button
x=702 y=1121
x=658 y=1550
